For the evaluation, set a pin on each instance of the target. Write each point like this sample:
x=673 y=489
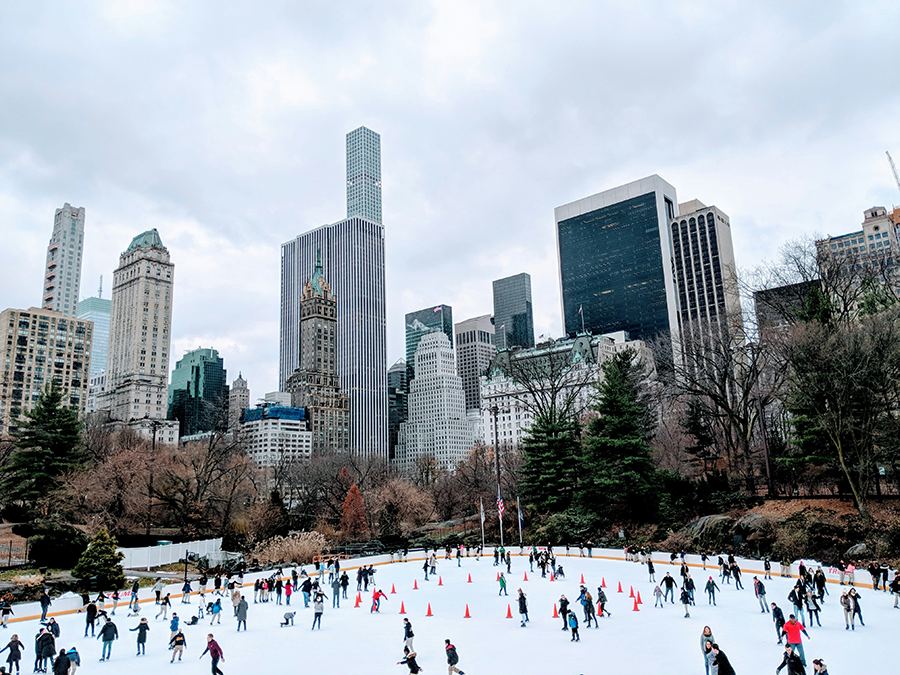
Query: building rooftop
x=148 y=239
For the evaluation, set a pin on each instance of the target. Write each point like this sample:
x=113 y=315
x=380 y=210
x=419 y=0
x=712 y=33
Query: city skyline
x=470 y=182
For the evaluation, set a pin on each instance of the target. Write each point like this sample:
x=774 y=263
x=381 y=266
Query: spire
x=317 y=276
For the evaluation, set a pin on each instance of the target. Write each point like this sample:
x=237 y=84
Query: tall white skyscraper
x=62 y=276
x=139 y=332
x=474 y=351
x=353 y=262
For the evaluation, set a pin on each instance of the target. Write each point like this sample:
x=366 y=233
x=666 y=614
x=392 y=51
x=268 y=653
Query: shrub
x=52 y=543
x=299 y=549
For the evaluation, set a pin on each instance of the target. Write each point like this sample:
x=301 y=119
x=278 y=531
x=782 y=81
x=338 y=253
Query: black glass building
x=513 y=318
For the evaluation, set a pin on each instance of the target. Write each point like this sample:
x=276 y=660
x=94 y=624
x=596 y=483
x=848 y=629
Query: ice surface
x=354 y=641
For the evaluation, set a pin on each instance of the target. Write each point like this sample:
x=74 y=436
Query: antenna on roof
x=100 y=292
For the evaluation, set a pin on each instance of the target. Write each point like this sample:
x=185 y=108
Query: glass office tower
x=513 y=318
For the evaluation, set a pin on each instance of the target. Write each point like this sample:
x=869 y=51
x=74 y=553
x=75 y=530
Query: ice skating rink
x=354 y=641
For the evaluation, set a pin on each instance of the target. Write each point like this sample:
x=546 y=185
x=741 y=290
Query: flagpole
x=519 y=509
x=481 y=499
x=500 y=513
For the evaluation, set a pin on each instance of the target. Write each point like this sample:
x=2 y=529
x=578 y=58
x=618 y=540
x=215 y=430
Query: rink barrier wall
x=70 y=603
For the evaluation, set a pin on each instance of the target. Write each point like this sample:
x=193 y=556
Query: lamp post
x=154 y=425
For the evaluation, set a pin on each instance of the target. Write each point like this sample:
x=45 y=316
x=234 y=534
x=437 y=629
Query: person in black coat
x=90 y=618
x=721 y=661
x=409 y=658
x=142 y=629
x=15 y=648
x=45 y=649
x=62 y=663
x=564 y=611
x=792 y=661
x=45 y=605
x=778 y=618
x=523 y=607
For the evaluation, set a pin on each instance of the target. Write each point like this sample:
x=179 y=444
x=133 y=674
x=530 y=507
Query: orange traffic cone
x=402 y=608
x=639 y=601
x=358 y=600
x=636 y=608
x=428 y=613
x=555 y=613
x=393 y=590
x=415 y=585
x=509 y=611
x=620 y=588
x=631 y=591
x=602 y=582
x=467 y=616
x=470 y=579
x=582 y=578
x=552 y=577
x=498 y=576
x=526 y=576
x=440 y=581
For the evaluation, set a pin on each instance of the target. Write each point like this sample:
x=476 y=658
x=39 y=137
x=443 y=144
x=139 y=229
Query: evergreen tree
x=49 y=444
x=550 y=467
x=618 y=469
x=103 y=561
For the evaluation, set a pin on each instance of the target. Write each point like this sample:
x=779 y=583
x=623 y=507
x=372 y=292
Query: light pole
x=154 y=425
x=495 y=410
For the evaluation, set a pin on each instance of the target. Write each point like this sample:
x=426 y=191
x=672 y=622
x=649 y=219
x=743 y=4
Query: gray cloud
x=223 y=126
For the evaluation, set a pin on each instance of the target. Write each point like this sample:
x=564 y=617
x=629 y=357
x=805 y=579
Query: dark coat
x=452 y=656
x=142 y=630
x=61 y=665
x=45 y=645
x=523 y=605
x=109 y=632
x=723 y=663
x=794 y=664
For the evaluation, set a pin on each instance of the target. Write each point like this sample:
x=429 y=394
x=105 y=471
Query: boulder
x=857 y=550
x=710 y=530
x=755 y=524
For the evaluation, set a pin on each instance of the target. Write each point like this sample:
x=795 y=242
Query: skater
x=502 y=581
x=288 y=619
x=108 y=633
x=115 y=599
x=345 y=581
x=589 y=614
x=186 y=593
x=408 y=635
x=336 y=592
x=158 y=589
x=53 y=627
x=651 y=570
x=142 y=629
x=74 y=660
x=459 y=557
x=164 y=605
x=15 y=648
x=812 y=608
x=767 y=567
x=778 y=619
x=573 y=625
x=425 y=568
x=61 y=664
x=796 y=597
x=306 y=589
x=45 y=604
x=564 y=611
x=5 y=611
x=669 y=583
x=794 y=663
x=690 y=586
x=686 y=601
x=658 y=594
x=709 y=656
x=736 y=573
x=523 y=607
x=318 y=608
x=452 y=657
x=819 y=667
x=173 y=625
x=242 y=614
x=821 y=584
x=215 y=653
x=721 y=664
x=760 y=590
x=711 y=589
x=215 y=612
x=706 y=642
x=792 y=630
x=177 y=644
x=44 y=648
x=409 y=659
x=377 y=596
x=854 y=604
x=601 y=602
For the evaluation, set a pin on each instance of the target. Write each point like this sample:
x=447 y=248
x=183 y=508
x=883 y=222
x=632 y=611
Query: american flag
x=438 y=308
x=500 y=507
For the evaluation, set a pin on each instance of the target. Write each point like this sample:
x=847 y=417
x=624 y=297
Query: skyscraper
x=62 y=275
x=198 y=395
x=421 y=323
x=352 y=253
x=139 y=332
x=315 y=385
x=615 y=261
x=397 y=410
x=238 y=401
x=364 y=174
x=513 y=318
x=474 y=351
x=98 y=311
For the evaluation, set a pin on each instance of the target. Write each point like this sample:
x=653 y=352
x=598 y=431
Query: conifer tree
x=550 y=467
x=49 y=444
x=103 y=561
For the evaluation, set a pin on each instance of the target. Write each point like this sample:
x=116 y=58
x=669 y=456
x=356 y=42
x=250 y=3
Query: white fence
x=154 y=556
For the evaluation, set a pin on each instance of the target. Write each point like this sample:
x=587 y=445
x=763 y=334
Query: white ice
x=353 y=640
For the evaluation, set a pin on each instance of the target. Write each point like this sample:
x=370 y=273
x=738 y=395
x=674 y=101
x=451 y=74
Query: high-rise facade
x=139 y=332
x=437 y=427
x=871 y=252
x=704 y=268
x=62 y=273
x=397 y=408
x=198 y=393
x=474 y=351
x=615 y=261
x=421 y=323
x=315 y=385
x=97 y=310
x=364 y=174
x=276 y=435
x=42 y=345
x=238 y=401
x=513 y=317
x=352 y=252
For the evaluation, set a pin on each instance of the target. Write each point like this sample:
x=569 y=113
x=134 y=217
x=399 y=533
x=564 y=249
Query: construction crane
x=893 y=169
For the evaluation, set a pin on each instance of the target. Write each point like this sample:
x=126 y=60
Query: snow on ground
x=355 y=641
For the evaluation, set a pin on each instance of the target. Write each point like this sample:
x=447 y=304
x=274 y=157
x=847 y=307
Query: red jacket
x=214 y=649
x=793 y=630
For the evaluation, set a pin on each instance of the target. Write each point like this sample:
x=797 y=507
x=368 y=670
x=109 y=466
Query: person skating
x=306 y=589
x=408 y=635
x=108 y=634
x=177 y=644
x=409 y=660
x=711 y=589
x=686 y=601
x=74 y=660
x=345 y=581
x=721 y=664
x=377 y=596
x=736 y=573
x=215 y=612
x=173 y=625
x=318 y=609
x=452 y=658
x=706 y=636
x=589 y=614
x=186 y=593
x=53 y=627
x=242 y=614
x=895 y=589
x=709 y=656
x=15 y=648
x=164 y=605
x=796 y=597
x=690 y=587
x=821 y=584
x=601 y=603
x=792 y=661
x=573 y=626
x=767 y=567
x=44 y=649
x=61 y=664
x=812 y=608
x=45 y=604
x=792 y=630
x=819 y=667
x=502 y=581
x=5 y=611
x=158 y=589
x=142 y=629
x=215 y=653
x=564 y=611
x=651 y=570
x=778 y=619
x=854 y=603
x=288 y=619
x=523 y=607
x=658 y=595
x=669 y=587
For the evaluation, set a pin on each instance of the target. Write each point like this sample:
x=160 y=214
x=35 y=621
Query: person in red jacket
x=792 y=630
x=215 y=653
x=376 y=600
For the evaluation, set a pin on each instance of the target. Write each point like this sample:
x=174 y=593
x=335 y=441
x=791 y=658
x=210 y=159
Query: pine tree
x=103 y=561
x=49 y=444
x=353 y=519
x=550 y=468
x=618 y=467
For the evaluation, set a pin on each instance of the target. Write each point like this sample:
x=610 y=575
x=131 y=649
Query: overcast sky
x=222 y=124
